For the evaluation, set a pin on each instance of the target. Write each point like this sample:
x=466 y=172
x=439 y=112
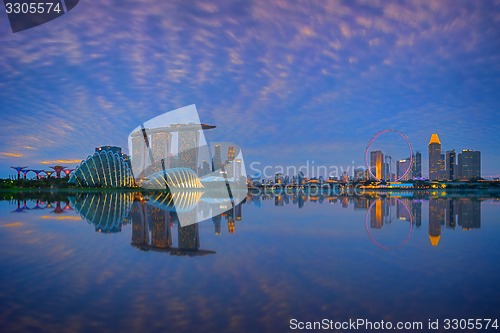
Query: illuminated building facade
x=436 y=164
x=377 y=164
x=416 y=169
x=402 y=167
x=469 y=164
x=451 y=157
x=188 y=149
x=230 y=154
x=161 y=143
x=103 y=169
x=237 y=169
x=217 y=159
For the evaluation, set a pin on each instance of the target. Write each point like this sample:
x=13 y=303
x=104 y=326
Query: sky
x=287 y=81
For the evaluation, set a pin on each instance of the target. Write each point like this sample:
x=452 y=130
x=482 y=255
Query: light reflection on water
x=120 y=261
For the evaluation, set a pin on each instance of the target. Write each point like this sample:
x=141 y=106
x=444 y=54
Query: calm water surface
x=116 y=262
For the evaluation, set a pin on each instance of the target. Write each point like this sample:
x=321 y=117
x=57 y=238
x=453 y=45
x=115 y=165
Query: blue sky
x=289 y=81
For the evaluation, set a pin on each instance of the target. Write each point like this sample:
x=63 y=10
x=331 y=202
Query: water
x=114 y=262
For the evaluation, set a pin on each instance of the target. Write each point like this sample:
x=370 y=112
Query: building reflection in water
x=154 y=218
x=464 y=212
x=106 y=211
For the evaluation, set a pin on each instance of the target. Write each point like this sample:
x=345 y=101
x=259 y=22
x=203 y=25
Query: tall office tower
x=188 y=149
x=230 y=154
x=416 y=168
x=469 y=164
x=377 y=164
x=237 y=169
x=402 y=166
x=434 y=157
x=139 y=151
x=161 y=148
x=387 y=171
x=450 y=164
x=205 y=168
x=442 y=167
x=217 y=159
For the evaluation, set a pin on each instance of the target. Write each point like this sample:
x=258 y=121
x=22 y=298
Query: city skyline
x=289 y=82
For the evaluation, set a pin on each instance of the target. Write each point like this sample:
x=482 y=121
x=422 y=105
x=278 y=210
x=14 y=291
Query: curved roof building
x=179 y=178
x=103 y=169
x=106 y=212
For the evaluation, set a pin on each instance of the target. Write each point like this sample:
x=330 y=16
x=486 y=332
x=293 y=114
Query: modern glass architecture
x=451 y=157
x=469 y=164
x=402 y=167
x=105 y=168
x=181 y=178
x=377 y=164
x=435 y=162
x=416 y=168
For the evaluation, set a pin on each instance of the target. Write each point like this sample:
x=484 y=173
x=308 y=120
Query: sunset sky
x=288 y=81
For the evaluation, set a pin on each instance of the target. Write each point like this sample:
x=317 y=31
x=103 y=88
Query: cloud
x=255 y=67
x=59 y=162
x=4 y=154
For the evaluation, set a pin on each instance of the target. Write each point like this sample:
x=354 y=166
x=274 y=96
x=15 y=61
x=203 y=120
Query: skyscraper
x=217 y=159
x=230 y=154
x=441 y=167
x=188 y=149
x=450 y=164
x=377 y=164
x=435 y=162
x=237 y=170
x=416 y=168
x=469 y=164
x=402 y=166
x=161 y=147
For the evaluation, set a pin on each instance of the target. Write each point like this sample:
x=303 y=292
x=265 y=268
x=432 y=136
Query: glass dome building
x=103 y=169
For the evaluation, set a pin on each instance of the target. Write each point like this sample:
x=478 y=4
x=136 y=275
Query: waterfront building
x=237 y=170
x=450 y=164
x=469 y=164
x=161 y=146
x=436 y=165
x=416 y=171
x=105 y=168
x=359 y=174
x=188 y=149
x=230 y=154
x=217 y=159
x=377 y=164
x=402 y=167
